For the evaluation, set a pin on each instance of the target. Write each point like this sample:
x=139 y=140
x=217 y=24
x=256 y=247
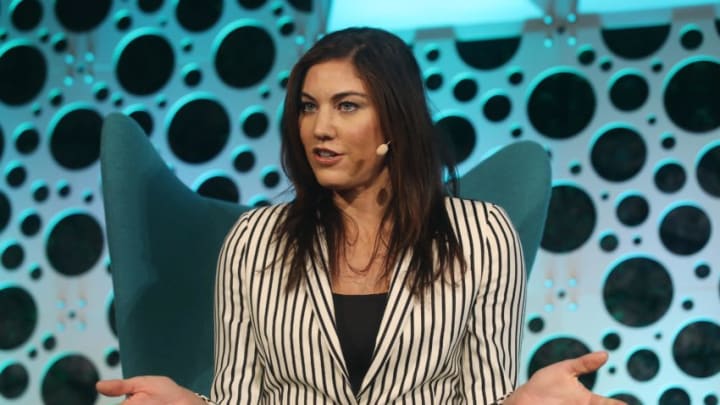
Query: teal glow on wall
x=613 y=6
x=409 y=14
x=400 y=15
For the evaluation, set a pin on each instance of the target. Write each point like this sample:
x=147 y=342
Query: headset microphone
x=382 y=150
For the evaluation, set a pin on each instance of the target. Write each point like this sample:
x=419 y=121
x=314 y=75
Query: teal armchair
x=163 y=240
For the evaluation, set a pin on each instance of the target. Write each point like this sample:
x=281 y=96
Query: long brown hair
x=419 y=220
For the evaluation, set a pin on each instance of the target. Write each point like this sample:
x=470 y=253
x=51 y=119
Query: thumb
x=587 y=363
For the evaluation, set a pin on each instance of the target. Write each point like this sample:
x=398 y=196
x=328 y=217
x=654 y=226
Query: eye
x=307 y=106
x=347 y=106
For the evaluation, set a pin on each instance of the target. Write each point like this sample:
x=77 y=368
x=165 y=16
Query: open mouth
x=325 y=153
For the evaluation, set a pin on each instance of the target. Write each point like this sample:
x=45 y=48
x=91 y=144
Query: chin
x=337 y=186
x=334 y=186
x=331 y=180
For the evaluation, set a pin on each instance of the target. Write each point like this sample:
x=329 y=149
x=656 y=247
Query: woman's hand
x=149 y=390
x=557 y=384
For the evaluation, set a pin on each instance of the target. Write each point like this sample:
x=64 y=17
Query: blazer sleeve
x=238 y=366
x=491 y=345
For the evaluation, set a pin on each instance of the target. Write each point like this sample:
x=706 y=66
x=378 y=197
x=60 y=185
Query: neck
x=365 y=206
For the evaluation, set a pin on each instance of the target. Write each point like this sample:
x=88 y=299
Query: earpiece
x=383 y=149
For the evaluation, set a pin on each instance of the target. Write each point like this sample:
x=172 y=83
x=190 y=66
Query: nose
x=323 y=125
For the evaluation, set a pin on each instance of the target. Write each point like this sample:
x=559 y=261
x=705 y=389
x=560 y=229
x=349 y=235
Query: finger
x=598 y=400
x=127 y=386
x=587 y=363
x=112 y=388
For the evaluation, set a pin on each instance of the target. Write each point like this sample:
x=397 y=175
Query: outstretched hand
x=557 y=384
x=148 y=390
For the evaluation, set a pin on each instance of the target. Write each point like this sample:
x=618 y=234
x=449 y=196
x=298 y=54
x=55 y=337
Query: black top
x=358 y=320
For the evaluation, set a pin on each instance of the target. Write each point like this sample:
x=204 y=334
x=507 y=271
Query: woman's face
x=340 y=130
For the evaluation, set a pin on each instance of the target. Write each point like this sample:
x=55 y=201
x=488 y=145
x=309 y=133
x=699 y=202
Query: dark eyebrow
x=339 y=96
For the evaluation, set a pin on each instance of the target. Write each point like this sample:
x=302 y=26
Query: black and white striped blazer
x=458 y=345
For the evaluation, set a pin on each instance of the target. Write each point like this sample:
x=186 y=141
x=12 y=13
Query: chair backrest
x=164 y=240
x=517 y=177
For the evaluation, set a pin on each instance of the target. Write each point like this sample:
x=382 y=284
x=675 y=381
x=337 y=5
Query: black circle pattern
x=221 y=188
x=252 y=4
x=536 y=324
x=618 y=154
x=24 y=72
x=497 y=108
x=434 y=81
x=70 y=380
x=255 y=124
x=633 y=210
x=144 y=119
x=12 y=256
x=690 y=97
x=5 y=210
x=31 y=224
x=559 y=349
x=27 y=14
x=14 y=380
x=674 y=396
x=198 y=15
x=635 y=43
x=18 y=316
x=586 y=56
x=244 y=161
x=465 y=89
x=199 y=130
x=245 y=56
x=81 y=15
x=638 y=291
x=75 y=139
x=487 y=54
x=696 y=349
x=685 y=229
x=561 y=105
x=571 y=219
x=708 y=171
x=145 y=64
x=150 y=6
x=629 y=399
x=611 y=341
x=79 y=233
x=670 y=177
x=691 y=39
x=27 y=140
x=609 y=242
x=460 y=133
x=643 y=365
x=629 y=92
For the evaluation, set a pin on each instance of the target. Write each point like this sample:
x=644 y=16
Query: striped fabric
x=457 y=344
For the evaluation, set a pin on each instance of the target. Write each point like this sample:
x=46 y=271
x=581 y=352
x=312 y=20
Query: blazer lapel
x=320 y=292
x=400 y=302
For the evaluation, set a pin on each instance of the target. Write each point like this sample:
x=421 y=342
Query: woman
x=372 y=286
